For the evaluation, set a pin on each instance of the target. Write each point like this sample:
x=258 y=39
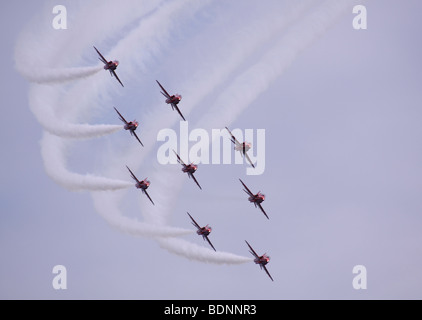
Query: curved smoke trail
x=53 y=146
x=106 y=204
x=41 y=103
x=52 y=151
x=51 y=76
x=199 y=253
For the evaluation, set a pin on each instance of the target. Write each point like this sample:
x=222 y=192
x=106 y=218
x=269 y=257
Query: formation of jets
x=191 y=168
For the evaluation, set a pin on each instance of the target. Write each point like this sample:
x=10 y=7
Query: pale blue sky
x=343 y=169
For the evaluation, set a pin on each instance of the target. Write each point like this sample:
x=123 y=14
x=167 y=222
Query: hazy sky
x=341 y=109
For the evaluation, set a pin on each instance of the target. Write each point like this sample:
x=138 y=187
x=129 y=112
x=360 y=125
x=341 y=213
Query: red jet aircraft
x=188 y=168
x=172 y=100
x=261 y=260
x=109 y=65
x=143 y=185
x=255 y=198
x=241 y=147
x=131 y=126
x=202 y=231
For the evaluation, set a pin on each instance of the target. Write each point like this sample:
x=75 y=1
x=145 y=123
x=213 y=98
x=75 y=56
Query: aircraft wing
x=148 y=196
x=178 y=110
x=252 y=251
x=233 y=139
x=249 y=192
x=165 y=93
x=179 y=159
x=121 y=117
x=194 y=179
x=249 y=159
x=265 y=268
x=114 y=73
x=262 y=209
x=137 y=138
x=165 y=97
x=101 y=56
x=133 y=176
x=206 y=237
x=193 y=221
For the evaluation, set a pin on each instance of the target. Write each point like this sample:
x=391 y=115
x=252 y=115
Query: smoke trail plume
x=106 y=204
x=51 y=76
x=194 y=252
x=53 y=153
x=41 y=100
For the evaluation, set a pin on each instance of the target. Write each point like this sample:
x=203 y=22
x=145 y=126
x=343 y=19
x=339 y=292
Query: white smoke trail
x=52 y=150
x=41 y=99
x=256 y=79
x=40 y=59
x=46 y=107
x=41 y=50
x=55 y=165
x=51 y=76
x=199 y=253
x=106 y=204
